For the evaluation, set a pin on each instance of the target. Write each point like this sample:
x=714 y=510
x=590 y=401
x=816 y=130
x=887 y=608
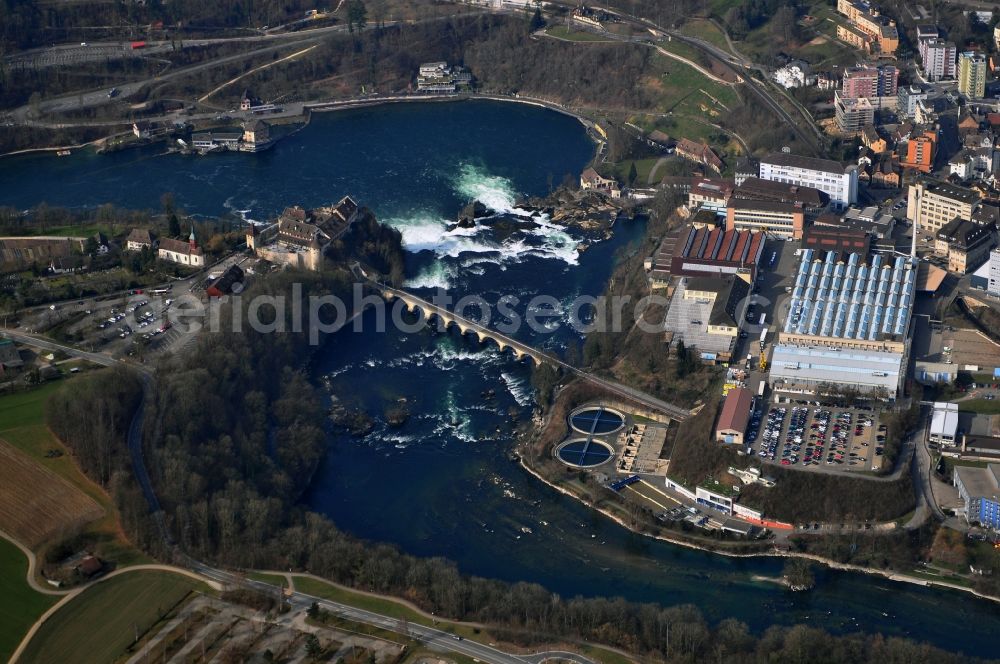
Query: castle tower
x=251 y=235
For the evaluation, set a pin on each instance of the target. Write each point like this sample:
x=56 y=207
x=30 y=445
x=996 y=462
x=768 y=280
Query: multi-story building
x=933 y=203
x=837 y=181
x=926 y=31
x=965 y=244
x=746 y=167
x=852 y=114
x=907 y=99
x=705 y=312
x=920 y=152
x=781 y=219
x=938 y=58
x=870 y=81
x=994 y=274
x=972 y=74
x=879 y=34
x=709 y=194
x=979 y=489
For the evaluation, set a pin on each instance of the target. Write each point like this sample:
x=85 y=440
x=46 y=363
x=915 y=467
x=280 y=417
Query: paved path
x=33 y=568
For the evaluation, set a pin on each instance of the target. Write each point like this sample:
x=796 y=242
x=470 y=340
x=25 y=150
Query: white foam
x=495 y=192
x=436 y=275
x=426 y=231
x=518 y=388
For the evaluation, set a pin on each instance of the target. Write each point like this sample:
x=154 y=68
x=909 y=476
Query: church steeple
x=191 y=241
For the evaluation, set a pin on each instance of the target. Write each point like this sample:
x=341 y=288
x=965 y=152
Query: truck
x=136 y=45
x=760 y=389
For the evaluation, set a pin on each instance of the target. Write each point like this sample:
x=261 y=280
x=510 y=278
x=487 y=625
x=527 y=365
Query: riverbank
x=776 y=553
x=330 y=106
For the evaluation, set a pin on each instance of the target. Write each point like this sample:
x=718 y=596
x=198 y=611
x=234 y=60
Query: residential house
x=871 y=140
x=700 y=154
x=10 y=356
x=592 y=180
x=139 y=239
x=885 y=172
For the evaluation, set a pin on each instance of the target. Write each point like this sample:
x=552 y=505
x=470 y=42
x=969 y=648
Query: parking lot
x=817 y=438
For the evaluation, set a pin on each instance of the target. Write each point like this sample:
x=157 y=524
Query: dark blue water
x=442 y=484
x=585 y=453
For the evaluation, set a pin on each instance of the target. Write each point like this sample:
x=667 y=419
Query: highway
x=26 y=114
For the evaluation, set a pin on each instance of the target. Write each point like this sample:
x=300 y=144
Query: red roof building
x=708 y=252
x=735 y=416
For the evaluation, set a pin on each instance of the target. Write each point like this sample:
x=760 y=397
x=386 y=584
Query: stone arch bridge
x=522 y=350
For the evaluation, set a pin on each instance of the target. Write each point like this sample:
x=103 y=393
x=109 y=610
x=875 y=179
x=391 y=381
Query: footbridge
x=522 y=350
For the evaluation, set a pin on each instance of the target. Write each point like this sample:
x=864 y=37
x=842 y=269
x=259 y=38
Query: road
x=46 y=344
x=922 y=476
x=91 y=98
x=432 y=637
x=736 y=64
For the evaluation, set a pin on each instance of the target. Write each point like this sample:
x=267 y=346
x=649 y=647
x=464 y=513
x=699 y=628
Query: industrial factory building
x=846 y=326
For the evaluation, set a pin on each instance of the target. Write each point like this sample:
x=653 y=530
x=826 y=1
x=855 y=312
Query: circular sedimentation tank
x=581 y=453
x=596 y=420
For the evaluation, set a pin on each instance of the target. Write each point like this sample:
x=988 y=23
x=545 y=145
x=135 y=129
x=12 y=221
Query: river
x=442 y=484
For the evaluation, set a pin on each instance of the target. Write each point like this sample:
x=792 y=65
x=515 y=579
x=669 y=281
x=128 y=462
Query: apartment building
x=852 y=114
x=870 y=81
x=938 y=58
x=972 y=75
x=876 y=33
x=920 y=152
x=994 y=273
x=907 y=99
